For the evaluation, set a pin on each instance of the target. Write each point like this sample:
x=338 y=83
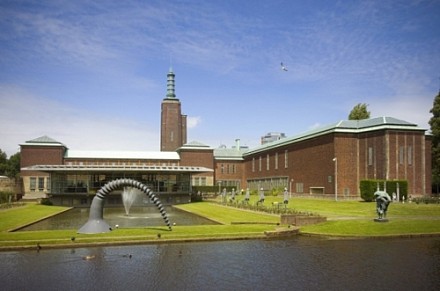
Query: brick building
x=332 y=160
x=329 y=161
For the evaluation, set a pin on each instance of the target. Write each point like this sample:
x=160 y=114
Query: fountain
x=96 y=222
x=129 y=195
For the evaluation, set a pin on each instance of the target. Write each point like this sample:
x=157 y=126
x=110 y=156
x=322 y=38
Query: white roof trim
x=104 y=168
x=138 y=155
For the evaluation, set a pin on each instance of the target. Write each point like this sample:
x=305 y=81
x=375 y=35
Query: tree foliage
x=434 y=122
x=359 y=112
x=9 y=167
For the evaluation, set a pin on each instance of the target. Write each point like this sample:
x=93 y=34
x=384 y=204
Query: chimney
x=237 y=144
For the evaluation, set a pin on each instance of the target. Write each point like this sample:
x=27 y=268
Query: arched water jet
x=96 y=222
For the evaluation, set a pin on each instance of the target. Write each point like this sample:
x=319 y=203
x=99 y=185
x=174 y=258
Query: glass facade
x=70 y=183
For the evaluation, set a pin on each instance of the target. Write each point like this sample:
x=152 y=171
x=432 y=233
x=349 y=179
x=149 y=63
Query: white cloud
x=24 y=116
x=193 y=121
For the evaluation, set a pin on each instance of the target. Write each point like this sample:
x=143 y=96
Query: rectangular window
x=401 y=155
x=33 y=184
x=253 y=165
x=299 y=188
x=276 y=161
x=234 y=169
x=267 y=162
x=203 y=182
x=222 y=168
x=410 y=155
x=286 y=159
x=259 y=163
x=48 y=184
x=370 y=156
x=40 y=184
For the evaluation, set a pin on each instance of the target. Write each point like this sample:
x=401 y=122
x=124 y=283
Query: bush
x=368 y=187
x=46 y=201
x=427 y=200
x=4 y=196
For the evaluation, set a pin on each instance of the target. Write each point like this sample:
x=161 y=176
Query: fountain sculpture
x=96 y=222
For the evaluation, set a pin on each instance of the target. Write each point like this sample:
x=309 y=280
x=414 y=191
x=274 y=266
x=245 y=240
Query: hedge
x=368 y=187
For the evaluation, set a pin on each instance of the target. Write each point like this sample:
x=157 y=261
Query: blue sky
x=92 y=74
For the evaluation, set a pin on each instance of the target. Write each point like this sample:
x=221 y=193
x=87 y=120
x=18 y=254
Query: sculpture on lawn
x=382 y=201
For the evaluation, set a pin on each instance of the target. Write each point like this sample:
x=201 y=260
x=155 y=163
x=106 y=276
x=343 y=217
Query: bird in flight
x=283 y=67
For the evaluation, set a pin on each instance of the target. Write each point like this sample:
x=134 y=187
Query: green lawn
x=345 y=218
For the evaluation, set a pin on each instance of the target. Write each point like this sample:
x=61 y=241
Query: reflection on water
x=293 y=264
x=139 y=217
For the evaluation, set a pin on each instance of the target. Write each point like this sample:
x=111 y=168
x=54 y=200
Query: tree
x=434 y=122
x=13 y=166
x=3 y=163
x=9 y=167
x=359 y=112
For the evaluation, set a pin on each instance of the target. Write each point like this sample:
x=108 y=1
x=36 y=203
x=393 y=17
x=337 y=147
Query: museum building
x=327 y=162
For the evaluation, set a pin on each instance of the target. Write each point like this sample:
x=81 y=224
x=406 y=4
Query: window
x=286 y=159
x=370 y=156
x=222 y=168
x=203 y=182
x=48 y=184
x=234 y=169
x=299 y=187
x=253 y=164
x=33 y=184
x=401 y=155
x=267 y=162
x=276 y=161
x=259 y=163
x=410 y=157
x=40 y=184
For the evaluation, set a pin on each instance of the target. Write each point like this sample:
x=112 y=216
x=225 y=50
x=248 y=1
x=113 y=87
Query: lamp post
x=336 y=178
x=290 y=188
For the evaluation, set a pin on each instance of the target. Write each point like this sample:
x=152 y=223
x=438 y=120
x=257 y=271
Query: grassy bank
x=345 y=218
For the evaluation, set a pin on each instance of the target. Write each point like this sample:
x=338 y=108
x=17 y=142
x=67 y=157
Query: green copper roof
x=345 y=126
x=43 y=140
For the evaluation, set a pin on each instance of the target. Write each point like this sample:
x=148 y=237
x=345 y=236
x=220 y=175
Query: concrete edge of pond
x=281 y=233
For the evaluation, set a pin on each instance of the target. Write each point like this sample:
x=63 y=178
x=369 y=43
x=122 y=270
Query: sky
x=92 y=74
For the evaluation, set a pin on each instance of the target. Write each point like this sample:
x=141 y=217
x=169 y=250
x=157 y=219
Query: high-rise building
x=173 y=124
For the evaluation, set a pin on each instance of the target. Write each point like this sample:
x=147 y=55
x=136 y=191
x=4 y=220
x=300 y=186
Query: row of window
x=405 y=155
x=39 y=184
x=228 y=168
x=276 y=158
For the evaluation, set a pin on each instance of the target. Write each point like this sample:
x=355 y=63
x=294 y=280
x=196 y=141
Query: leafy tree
x=359 y=112
x=9 y=167
x=3 y=163
x=434 y=122
x=13 y=166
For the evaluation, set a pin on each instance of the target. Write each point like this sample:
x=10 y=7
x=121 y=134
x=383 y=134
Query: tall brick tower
x=173 y=123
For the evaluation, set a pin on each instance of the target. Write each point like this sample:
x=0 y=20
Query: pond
x=299 y=263
x=138 y=217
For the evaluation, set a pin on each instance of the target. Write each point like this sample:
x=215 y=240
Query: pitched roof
x=43 y=140
x=345 y=126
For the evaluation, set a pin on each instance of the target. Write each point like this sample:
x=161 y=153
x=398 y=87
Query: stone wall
x=299 y=220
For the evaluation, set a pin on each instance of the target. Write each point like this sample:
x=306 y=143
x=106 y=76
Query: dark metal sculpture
x=96 y=222
x=382 y=202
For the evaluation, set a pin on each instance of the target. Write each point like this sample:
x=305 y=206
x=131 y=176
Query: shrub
x=368 y=187
x=4 y=196
x=46 y=201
